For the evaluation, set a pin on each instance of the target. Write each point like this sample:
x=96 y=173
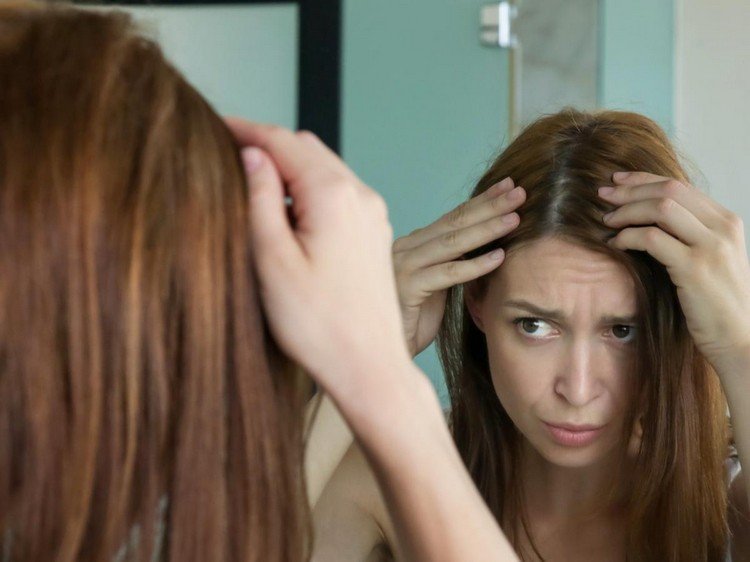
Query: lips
x=571 y=435
x=572 y=427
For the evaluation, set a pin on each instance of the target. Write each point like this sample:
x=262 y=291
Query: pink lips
x=574 y=435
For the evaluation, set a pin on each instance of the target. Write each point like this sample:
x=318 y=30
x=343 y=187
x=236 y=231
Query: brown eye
x=623 y=332
x=533 y=327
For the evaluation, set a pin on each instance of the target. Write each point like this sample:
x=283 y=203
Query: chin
x=572 y=457
x=567 y=457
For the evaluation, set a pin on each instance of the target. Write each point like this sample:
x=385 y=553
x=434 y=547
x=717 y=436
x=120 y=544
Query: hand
x=427 y=261
x=701 y=244
x=326 y=281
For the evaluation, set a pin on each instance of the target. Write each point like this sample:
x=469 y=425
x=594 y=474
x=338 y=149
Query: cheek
x=524 y=375
x=521 y=375
x=620 y=378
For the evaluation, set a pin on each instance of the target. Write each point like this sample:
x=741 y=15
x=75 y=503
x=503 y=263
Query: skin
x=702 y=246
x=574 y=368
x=314 y=274
x=571 y=364
x=578 y=372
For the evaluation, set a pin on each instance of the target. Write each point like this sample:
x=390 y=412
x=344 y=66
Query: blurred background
x=418 y=96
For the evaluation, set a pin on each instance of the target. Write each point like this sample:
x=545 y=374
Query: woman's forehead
x=553 y=270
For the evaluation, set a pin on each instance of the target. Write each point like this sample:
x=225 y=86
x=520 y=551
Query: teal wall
x=637 y=58
x=242 y=58
x=425 y=106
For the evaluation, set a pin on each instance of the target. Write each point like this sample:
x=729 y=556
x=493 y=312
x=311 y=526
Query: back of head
x=144 y=411
x=561 y=160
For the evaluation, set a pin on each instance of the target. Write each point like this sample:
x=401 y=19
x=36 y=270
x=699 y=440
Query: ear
x=472 y=298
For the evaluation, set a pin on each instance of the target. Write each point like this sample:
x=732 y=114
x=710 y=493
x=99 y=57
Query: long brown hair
x=677 y=502
x=144 y=411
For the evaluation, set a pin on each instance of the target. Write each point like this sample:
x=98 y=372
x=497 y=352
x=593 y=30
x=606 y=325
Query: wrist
x=386 y=399
x=733 y=364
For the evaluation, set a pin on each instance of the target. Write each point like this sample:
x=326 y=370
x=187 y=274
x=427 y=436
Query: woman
x=586 y=352
x=145 y=413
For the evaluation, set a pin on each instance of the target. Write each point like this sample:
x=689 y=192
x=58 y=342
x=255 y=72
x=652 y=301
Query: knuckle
x=651 y=236
x=499 y=204
x=735 y=223
x=340 y=187
x=457 y=217
x=275 y=131
x=401 y=267
x=307 y=135
x=449 y=239
x=398 y=246
x=451 y=271
x=665 y=206
x=673 y=188
x=495 y=226
x=725 y=247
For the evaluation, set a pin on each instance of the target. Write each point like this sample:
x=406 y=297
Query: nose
x=577 y=381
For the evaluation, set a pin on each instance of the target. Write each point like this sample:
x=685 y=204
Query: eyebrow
x=559 y=317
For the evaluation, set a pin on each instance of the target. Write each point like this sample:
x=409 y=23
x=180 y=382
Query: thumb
x=273 y=238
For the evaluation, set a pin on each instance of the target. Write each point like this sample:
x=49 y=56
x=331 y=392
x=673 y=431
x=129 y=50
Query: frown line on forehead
x=560 y=316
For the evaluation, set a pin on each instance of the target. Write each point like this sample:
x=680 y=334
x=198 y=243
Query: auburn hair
x=677 y=499
x=145 y=413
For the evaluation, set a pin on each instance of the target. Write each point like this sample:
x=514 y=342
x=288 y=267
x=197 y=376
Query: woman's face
x=560 y=322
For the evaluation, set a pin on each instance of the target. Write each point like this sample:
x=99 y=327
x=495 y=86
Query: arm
x=436 y=509
x=328 y=289
x=425 y=486
x=702 y=245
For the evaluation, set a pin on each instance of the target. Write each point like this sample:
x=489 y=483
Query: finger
x=294 y=155
x=699 y=204
x=332 y=158
x=666 y=213
x=242 y=129
x=273 y=238
x=651 y=239
x=454 y=244
x=445 y=275
x=500 y=199
x=635 y=178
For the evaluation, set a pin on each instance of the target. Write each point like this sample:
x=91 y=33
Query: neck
x=556 y=493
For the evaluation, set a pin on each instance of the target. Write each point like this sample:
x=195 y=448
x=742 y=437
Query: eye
x=624 y=333
x=533 y=327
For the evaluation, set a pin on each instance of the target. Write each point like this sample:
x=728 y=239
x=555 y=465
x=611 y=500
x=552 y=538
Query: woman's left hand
x=702 y=245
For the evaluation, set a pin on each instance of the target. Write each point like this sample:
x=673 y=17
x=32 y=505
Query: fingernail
x=252 y=158
x=620 y=175
x=604 y=191
x=510 y=219
x=502 y=185
x=496 y=255
x=515 y=193
x=608 y=216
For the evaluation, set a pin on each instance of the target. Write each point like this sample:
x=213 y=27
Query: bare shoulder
x=739 y=518
x=351 y=520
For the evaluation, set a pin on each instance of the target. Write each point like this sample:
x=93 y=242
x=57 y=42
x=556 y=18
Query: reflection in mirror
x=414 y=135
x=555 y=59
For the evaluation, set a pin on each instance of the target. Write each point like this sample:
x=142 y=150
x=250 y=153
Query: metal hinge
x=496 y=24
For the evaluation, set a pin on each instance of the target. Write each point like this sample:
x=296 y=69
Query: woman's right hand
x=325 y=272
x=428 y=261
